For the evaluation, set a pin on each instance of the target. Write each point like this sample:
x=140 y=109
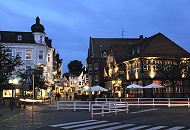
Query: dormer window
x=104 y=54
x=138 y=50
x=19 y=37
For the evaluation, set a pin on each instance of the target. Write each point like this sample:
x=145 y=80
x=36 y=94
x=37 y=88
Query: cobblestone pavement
x=25 y=119
x=44 y=116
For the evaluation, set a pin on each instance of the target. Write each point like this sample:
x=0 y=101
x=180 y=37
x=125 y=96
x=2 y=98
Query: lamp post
x=33 y=92
x=12 y=82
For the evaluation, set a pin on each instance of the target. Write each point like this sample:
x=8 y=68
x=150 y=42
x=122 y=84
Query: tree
x=58 y=65
x=75 y=67
x=7 y=64
x=26 y=78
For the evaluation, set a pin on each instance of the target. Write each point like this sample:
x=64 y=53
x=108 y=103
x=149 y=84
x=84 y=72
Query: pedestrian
x=55 y=96
x=58 y=96
x=67 y=96
x=70 y=96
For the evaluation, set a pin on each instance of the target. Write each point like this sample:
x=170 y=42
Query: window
x=49 y=58
x=156 y=90
x=145 y=67
x=28 y=54
x=104 y=54
x=138 y=50
x=168 y=90
x=19 y=54
x=96 y=66
x=41 y=54
x=149 y=68
x=79 y=82
x=28 y=67
x=179 y=89
x=9 y=53
x=41 y=39
x=90 y=66
x=19 y=37
x=155 y=68
x=133 y=52
x=96 y=77
x=48 y=72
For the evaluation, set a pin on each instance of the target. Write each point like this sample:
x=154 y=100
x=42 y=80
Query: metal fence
x=96 y=108
x=149 y=101
x=74 y=105
x=109 y=107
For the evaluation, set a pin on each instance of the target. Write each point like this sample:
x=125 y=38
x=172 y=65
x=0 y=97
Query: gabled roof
x=99 y=45
x=124 y=49
x=120 y=52
x=12 y=37
x=159 y=45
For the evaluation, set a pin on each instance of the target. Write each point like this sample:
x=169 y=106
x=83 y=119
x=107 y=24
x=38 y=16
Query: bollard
x=168 y=102
x=89 y=104
x=74 y=106
x=138 y=102
x=109 y=107
x=127 y=106
x=102 y=110
x=57 y=105
x=116 y=109
x=92 y=116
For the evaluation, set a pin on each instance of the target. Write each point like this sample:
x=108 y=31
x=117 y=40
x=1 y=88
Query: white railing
x=109 y=107
x=149 y=101
x=73 y=105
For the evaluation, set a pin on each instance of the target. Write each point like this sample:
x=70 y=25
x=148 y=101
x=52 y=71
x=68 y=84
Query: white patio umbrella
x=98 y=88
x=86 y=88
x=153 y=85
x=134 y=86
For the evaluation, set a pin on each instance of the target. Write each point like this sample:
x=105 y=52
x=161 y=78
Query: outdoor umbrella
x=134 y=86
x=153 y=85
x=86 y=88
x=98 y=88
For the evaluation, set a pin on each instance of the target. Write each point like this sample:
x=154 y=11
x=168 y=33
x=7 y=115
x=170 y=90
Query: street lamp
x=12 y=82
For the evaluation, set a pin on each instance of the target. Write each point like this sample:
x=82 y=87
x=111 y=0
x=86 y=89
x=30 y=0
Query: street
x=48 y=118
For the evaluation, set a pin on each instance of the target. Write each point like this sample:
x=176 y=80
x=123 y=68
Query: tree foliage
x=58 y=64
x=27 y=77
x=75 y=67
x=7 y=64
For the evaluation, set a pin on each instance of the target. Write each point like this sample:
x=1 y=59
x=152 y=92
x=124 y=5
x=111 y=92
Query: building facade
x=34 y=49
x=83 y=78
x=142 y=61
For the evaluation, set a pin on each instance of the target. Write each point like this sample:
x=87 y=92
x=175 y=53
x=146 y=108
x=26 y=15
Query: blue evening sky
x=70 y=23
